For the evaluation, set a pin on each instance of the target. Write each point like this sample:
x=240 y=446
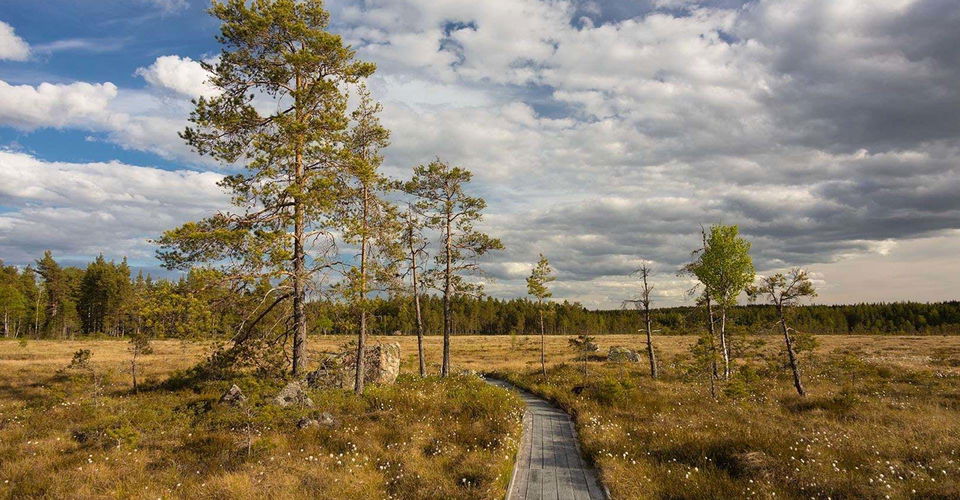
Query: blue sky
x=98 y=41
x=602 y=133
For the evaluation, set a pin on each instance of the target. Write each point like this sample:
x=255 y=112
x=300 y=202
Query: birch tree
x=449 y=210
x=537 y=282
x=724 y=268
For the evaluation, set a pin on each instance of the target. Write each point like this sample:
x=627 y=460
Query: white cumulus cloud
x=12 y=47
x=85 y=208
x=181 y=75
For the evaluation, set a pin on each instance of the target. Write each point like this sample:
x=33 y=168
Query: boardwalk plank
x=549 y=464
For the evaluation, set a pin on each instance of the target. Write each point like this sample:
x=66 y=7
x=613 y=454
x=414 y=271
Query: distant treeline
x=47 y=300
x=502 y=317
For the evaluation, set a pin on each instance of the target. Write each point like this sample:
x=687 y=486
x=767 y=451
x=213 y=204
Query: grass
x=85 y=434
x=881 y=419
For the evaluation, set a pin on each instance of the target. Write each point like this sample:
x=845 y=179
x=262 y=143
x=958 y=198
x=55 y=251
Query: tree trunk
x=416 y=306
x=362 y=336
x=447 y=290
x=543 y=349
x=36 y=316
x=713 y=336
x=653 y=357
x=133 y=371
x=794 y=365
x=6 y=327
x=724 y=346
x=299 y=290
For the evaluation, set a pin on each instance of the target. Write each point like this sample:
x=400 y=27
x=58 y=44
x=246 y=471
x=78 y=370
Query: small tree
x=724 y=268
x=537 y=287
x=583 y=345
x=139 y=345
x=367 y=219
x=448 y=209
x=784 y=291
x=643 y=301
x=415 y=244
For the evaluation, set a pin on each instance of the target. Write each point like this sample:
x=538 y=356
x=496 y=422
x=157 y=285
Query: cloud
x=133 y=119
x=604 y=132
x=180 y=75
x=81 y=209
x=55 y=105
x=169 y=6
x=825 y=129
x=12 y=47
x=94 y=45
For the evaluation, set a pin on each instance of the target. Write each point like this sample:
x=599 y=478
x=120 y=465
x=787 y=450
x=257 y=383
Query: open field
x=85 y=434
x=882 y=418
x=475 y=352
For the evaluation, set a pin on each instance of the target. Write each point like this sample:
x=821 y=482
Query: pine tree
x=449 y=210
x=537 y=282
x=280 y=53
x=368 y=220
x=785 y=291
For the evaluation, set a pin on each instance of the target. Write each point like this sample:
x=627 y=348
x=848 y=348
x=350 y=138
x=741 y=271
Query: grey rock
x=381 y=366
x=323 y=420
x=620 y=354
x=293 y=394
x=233 y=397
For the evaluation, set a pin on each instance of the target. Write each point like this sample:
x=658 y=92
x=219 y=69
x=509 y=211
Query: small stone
x=307 y=423
x=293 y=394
x=233 y=397
x=323 y=420
x=326 y=419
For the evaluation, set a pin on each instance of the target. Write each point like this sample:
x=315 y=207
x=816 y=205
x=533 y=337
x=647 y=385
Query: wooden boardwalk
x=549 y=464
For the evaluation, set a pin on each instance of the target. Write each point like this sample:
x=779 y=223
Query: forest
x=47 y=300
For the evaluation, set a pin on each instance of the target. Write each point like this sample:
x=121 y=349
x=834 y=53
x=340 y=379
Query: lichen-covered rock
x=293 y=394
x=323 y=420
x=621 y=354
x=381 y=366
x=233 y=397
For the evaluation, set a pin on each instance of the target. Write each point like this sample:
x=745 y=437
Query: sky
x=601 y=133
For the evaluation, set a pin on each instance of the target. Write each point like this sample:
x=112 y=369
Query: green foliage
x=80 y=360
x=724 y=267
x=300 y=157
x=105 y=297
x=539 y=277
x=446 y=207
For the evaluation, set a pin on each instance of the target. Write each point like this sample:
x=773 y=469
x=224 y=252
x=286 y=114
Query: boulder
x=620 y=354
x=293 y=394
x=381 y=366
x=233 y=397
x=591 y=347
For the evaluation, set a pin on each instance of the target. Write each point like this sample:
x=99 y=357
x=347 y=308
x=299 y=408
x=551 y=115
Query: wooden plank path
x=549 y=464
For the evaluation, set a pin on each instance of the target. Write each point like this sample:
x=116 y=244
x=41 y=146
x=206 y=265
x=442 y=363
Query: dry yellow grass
x=890 y=417
x=84 y=434
x=470 y=352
